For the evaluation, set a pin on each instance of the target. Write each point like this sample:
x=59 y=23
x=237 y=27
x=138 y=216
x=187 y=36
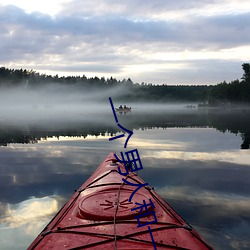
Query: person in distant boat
x=120 y=107
x=125 y=106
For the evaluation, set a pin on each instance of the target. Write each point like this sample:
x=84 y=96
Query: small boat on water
x=123 y=109
x=100 y=215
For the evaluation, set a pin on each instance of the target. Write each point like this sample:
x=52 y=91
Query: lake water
x=197 y=160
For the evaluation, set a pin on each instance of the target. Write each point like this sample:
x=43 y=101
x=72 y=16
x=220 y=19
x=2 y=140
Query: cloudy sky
x=157 y=41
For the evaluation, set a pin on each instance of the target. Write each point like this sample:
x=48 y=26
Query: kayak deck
x=100 y=215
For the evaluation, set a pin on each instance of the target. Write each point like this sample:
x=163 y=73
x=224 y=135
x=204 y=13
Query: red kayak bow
x=112 y=211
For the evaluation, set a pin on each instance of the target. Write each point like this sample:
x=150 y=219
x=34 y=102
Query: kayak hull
x=100 y=214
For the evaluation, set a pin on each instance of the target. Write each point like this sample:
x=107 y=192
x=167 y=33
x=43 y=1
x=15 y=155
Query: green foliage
x=234 y=92
x=246 y=75
x=222 y=93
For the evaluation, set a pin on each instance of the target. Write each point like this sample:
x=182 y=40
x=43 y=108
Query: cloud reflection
x=22 y=222
x=223 y=156
x=29 y=212
x=203 y=177
x=228 y=203
x=221 y=213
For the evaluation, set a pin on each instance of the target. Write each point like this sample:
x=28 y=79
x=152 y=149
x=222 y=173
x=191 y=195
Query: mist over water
x=55 y=102
x=59 y=107
x=60 y=102
x=53 y=137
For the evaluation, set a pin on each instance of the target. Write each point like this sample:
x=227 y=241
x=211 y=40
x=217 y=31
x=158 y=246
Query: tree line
x=236 y=91
x=231 y=121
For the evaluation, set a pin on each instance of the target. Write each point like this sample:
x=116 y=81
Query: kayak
x=115 y=211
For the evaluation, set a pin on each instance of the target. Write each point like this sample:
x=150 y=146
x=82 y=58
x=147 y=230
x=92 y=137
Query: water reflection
x=195 y=166
x=16 y=215
x=20 y=222
x=82 y=125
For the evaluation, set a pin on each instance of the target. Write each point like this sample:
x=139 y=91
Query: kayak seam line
x=121 y=237
x=111 y=222
x=100 y=185
x=99 y=178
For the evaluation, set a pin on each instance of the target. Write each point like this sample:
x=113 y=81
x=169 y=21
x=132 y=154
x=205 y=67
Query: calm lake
x=198 y=160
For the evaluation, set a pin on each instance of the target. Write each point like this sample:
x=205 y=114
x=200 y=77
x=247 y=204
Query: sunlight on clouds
x=171 y=16
x=230 y=157
x=211 y=9
x=142 y=40
x=223 y=54
x=29 y=213
x=156 y=11
x=25 y=220
x=237 y=52
x=226 y=7
x=52 y=58
x=45 y=6
x=170 y=146
x=152 y=67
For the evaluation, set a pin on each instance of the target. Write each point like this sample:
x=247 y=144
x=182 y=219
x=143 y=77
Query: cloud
x=26 y=220
x=122 y=30
x=233 y=204
x=142 y=9
x=114 y=38
x=29 y=210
